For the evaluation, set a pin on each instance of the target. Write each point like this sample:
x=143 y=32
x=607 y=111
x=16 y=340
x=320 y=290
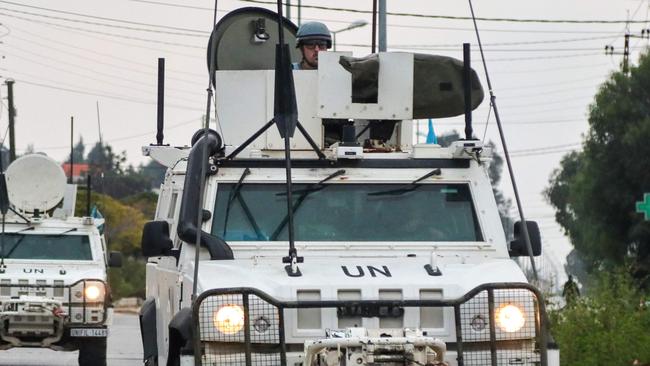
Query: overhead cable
x=203 y=35
x=99 y=32
x=103 y=18
x=451 y=17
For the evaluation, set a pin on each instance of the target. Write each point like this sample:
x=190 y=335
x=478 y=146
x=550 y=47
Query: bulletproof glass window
x=347 y=212
x=46 y=247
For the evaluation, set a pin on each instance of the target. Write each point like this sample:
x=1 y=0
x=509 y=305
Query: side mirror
x=115 y=259
x=518 y=246
x=155 y=239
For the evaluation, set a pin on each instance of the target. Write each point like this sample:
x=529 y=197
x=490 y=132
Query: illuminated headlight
x=89 y=291
x=93 y=292
x=510 y=318
x=229 y=319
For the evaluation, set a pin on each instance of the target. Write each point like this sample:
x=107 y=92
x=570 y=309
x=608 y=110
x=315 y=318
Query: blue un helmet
x=313 y=31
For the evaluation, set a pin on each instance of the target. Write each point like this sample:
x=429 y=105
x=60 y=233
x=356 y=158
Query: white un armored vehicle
x=360 y=249
x=53 y=279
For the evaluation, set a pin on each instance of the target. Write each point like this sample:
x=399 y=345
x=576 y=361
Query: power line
x=537 y=86
x=528 y=105
x=396 y=25
x=104 y=18
x=519 y=123
x=101 y=94
x=103 y=24
x=95 y=61
x=520 y=43
x=554 y=69
x=90 y=35
x=99 y=32
x=95 y=52
x=92 y=71
x=128 y=137
x=451 y=17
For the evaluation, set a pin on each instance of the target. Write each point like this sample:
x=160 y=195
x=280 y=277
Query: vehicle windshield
x=347 y=212
x=48 y=247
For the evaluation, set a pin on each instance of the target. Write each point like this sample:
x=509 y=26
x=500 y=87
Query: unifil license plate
x=88 y=332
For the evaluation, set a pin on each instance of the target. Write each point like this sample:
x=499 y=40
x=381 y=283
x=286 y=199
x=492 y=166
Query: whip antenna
x=204 y=161
x=493 y=103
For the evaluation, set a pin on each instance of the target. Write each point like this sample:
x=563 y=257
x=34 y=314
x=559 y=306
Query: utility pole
x=288 y=11
x=382 y=25
x=299 y=12
x=12 y=116
x=609 y=49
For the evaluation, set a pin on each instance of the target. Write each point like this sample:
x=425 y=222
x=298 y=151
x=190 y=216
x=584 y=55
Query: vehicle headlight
x=510 y=318
x=229 y=319
x=88 y=291
x=93 y=292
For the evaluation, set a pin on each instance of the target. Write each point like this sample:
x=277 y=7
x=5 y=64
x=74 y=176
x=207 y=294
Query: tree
x=111 y=176
x=123 y=230
x=612 y=317
x=594 y=191
x=78 y=152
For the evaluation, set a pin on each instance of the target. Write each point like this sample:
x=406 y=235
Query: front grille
x=259 y=340
x=483 y=320
x=71 y=297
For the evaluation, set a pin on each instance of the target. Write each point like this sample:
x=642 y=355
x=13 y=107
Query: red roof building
x=79 y=171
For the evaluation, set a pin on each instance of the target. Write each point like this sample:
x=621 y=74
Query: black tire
x=92 y=352
x=151 y=361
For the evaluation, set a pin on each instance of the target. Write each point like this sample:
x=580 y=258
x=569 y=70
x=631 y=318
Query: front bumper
x=48 y=316
x=468 y=343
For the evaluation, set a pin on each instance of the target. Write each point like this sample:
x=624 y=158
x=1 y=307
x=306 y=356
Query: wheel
x=151 y=361
x=92 y=352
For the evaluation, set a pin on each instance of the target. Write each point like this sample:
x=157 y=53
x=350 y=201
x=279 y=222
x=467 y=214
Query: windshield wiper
x=304 y=193
x=408 y=188
x=20 y=240
x=234 y=194
x=65 y=232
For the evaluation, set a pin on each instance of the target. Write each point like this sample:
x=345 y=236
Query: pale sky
x=68 y=55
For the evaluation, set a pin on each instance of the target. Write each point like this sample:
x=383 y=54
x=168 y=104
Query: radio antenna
x=204 y=160
x=493 y=104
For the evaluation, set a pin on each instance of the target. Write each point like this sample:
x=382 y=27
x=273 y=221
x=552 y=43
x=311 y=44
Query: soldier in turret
x=312 y=38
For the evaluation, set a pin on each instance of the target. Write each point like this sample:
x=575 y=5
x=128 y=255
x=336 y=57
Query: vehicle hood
x=369 y=274
x=67 y=272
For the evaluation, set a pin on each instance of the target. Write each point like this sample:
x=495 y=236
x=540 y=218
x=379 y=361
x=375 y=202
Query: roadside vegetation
x=594 y=193
x=124 y=196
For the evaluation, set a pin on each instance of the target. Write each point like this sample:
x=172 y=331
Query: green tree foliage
x=607 y=327
x=111 y=176
x=78 y=152
x=123 y=230
x=594 y=191
x=144 y=202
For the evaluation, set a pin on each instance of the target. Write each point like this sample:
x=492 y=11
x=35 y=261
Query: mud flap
x=149 y=332
x=180 y=337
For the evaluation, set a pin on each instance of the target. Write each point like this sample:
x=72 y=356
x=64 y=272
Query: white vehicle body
x=53 y=282
x=397 y=269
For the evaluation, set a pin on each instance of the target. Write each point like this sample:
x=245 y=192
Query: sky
x=96 y=61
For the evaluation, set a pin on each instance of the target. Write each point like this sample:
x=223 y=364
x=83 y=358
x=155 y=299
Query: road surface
x=124 y=348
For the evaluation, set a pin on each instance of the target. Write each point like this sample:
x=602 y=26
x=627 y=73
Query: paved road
x=124 y=348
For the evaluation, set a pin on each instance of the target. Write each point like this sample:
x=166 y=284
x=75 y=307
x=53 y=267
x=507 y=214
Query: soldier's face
x=310 y=53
